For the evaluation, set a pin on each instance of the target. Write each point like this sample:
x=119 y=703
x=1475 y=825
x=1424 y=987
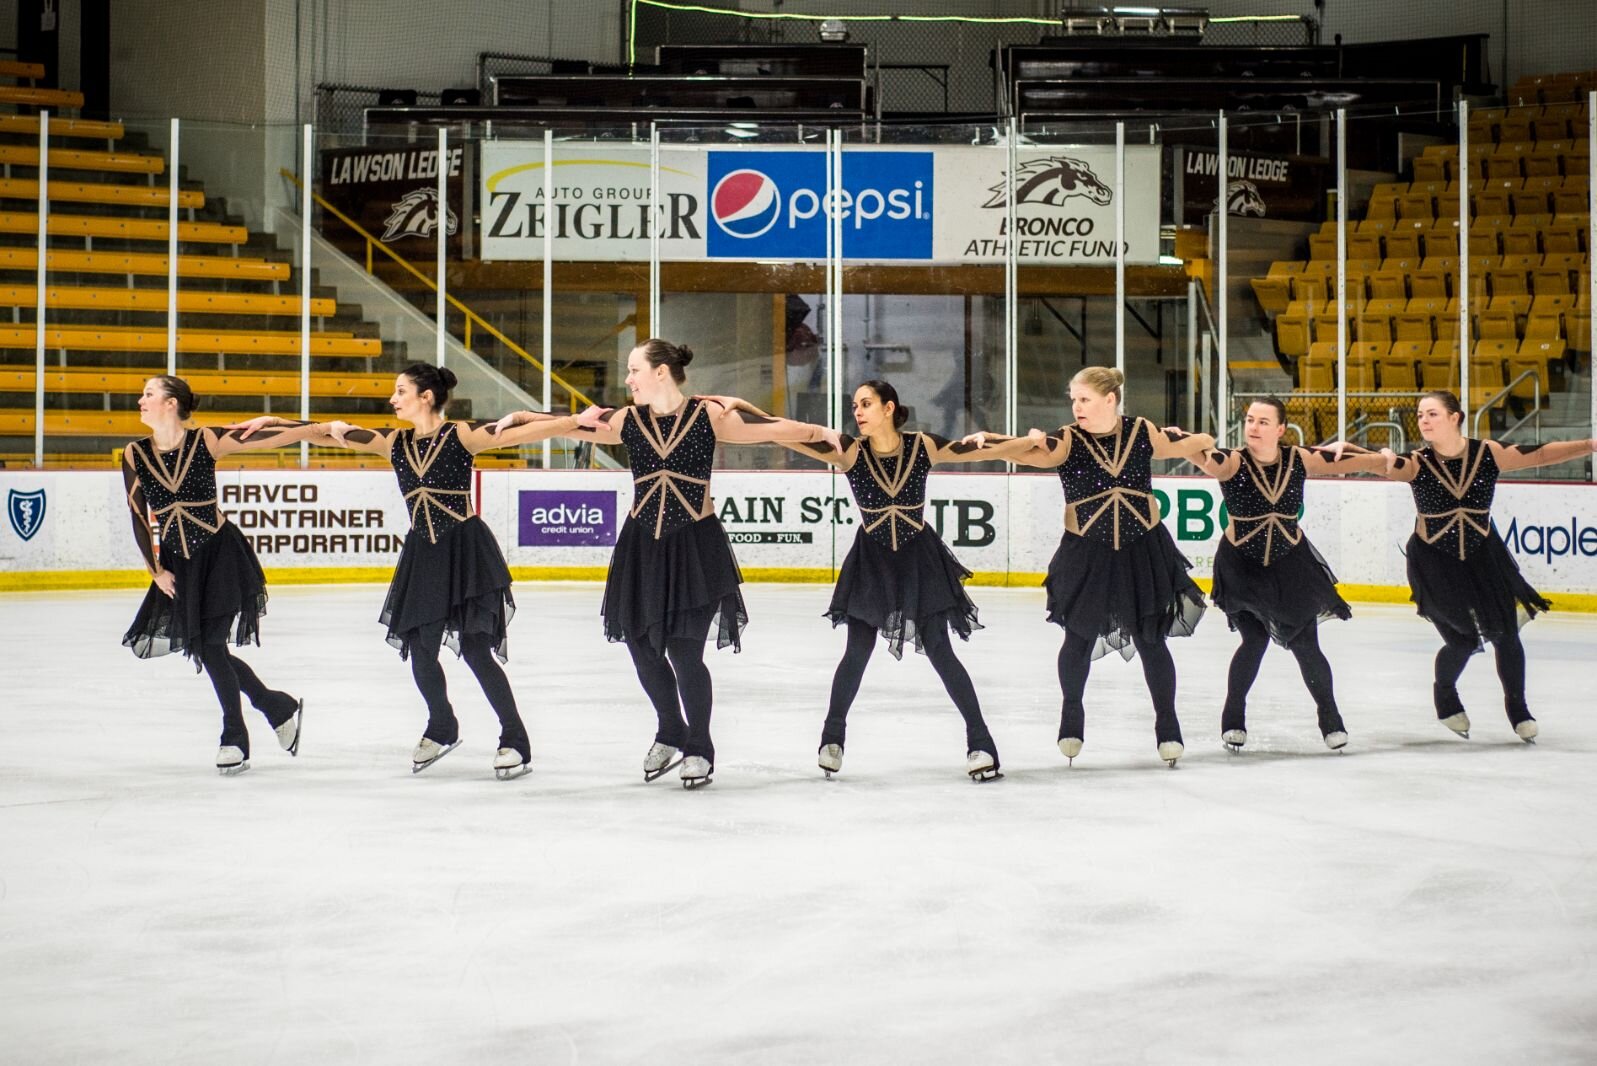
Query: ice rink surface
x=1419 y=899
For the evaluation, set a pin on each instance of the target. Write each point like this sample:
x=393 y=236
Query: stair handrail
x=1535 y=411
x=470 y=315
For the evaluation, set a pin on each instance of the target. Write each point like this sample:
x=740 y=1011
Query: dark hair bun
x=447 y=378
x=684 y=355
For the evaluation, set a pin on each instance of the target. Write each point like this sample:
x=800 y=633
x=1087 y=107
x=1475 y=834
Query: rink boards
x=72 y=529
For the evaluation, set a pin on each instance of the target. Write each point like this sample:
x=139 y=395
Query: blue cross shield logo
x=26 y=510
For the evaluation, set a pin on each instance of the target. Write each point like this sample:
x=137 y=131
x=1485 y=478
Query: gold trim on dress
x=1272 y=487
x=667 y=480
x=423 y=499
x=1119 y=498
x=1457 y=518
x=171 y=479
x=897 y=511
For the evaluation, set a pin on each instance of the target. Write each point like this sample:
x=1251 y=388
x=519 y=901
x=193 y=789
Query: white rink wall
x=787 y=525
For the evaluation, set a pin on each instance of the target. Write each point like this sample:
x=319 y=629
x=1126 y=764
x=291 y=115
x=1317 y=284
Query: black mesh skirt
x=1484 y=595
x=221 y=595
x=461 y=581
x=1111 y=596
x=1290 y=595
x=904 y=594
x=666 y=588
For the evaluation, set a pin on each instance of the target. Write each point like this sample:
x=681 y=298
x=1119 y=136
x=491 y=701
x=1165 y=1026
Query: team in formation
x=1117 y=581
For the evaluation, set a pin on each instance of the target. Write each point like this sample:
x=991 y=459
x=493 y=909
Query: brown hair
x=1448 y=401
x=1275 y=402
x=437 y=380
x=1104 y=380
x=888 y=395
x=664 y=353
x=177 y=389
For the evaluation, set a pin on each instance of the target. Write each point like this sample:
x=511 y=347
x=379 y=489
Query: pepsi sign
x=775 y=205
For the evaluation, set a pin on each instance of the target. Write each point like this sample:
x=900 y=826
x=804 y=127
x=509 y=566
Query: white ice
x=1421 y=898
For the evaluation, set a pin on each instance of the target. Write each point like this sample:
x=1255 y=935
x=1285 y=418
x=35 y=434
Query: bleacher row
x=105 y=333
x=1528 y=271
x=1566 y=86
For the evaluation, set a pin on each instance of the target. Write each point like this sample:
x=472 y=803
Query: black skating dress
x=1459 y=569
x=673 y=567
x=1117 y=573
x=221 y=591
x=1265 y=566
x=899 y=577
x=450 y=569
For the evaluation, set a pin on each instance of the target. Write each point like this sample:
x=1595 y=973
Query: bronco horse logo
x=1052 y=181
x=1243 y=198
x=416 y=215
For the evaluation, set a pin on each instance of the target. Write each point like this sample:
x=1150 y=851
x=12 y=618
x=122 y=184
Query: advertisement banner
x=787 y=523
x=1064 y=205
x=601 y=202
x=392 y=193
x=1259 y=186
x=944 y=204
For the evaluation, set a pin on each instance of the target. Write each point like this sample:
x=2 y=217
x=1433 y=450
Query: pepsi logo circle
x=745 y=203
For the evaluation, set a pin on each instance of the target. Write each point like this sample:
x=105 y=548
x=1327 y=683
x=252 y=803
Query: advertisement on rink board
x=944 y=204
x=1002 y=527
x=1258 y=186
x=392 y=193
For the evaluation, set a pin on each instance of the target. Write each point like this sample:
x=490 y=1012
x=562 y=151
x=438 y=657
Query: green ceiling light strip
x=632 y=32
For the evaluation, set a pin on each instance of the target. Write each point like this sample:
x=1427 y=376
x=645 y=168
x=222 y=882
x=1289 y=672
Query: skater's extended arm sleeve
x=1525 y=456
x=1174 y=443
x=995 y=447
x=482 y=436
x=736 y=426
x=141 y=513
x=824 y=451
x=226 y=440
x=361 y=439
x=1404 y=468
x=1048 y=455
x=1322 y=462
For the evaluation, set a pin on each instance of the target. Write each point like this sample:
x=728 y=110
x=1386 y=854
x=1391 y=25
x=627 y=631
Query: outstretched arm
x=1525 y=456
x=980 y=447
x=1341 y=458
x=737 y=426
x=1398 y=467
x=1218 y=464
x=601 y=425
x=259 y=434
x=842 y=457
x=141 y=526
x=1172 y=442
x=534 y=426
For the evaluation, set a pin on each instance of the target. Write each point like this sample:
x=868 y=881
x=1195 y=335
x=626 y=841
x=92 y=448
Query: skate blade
x=510 y=773
x=233 y=771
x=299 y=728
x=691 y=783
x=829 y=773
x=1234 y=749
x=985 y=775
x=418 y=767
x=655 y=775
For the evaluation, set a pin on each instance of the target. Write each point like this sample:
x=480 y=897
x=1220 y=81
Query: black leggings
x=477 y=650
x=676 y=680
x=1158 y=670
x=229 y=674
x=1458 y=646
x=1312 y=665
x=939 y=649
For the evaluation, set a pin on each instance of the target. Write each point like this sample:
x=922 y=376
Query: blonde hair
x=1104 y=380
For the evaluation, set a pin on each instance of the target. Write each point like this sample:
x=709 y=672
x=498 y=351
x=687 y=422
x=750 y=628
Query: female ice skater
x=206 y=585
x=1461 y=576
x=451 y=586
x=672 y=575
x=1268 y=579
x=899 y=579
x=1117 y=580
